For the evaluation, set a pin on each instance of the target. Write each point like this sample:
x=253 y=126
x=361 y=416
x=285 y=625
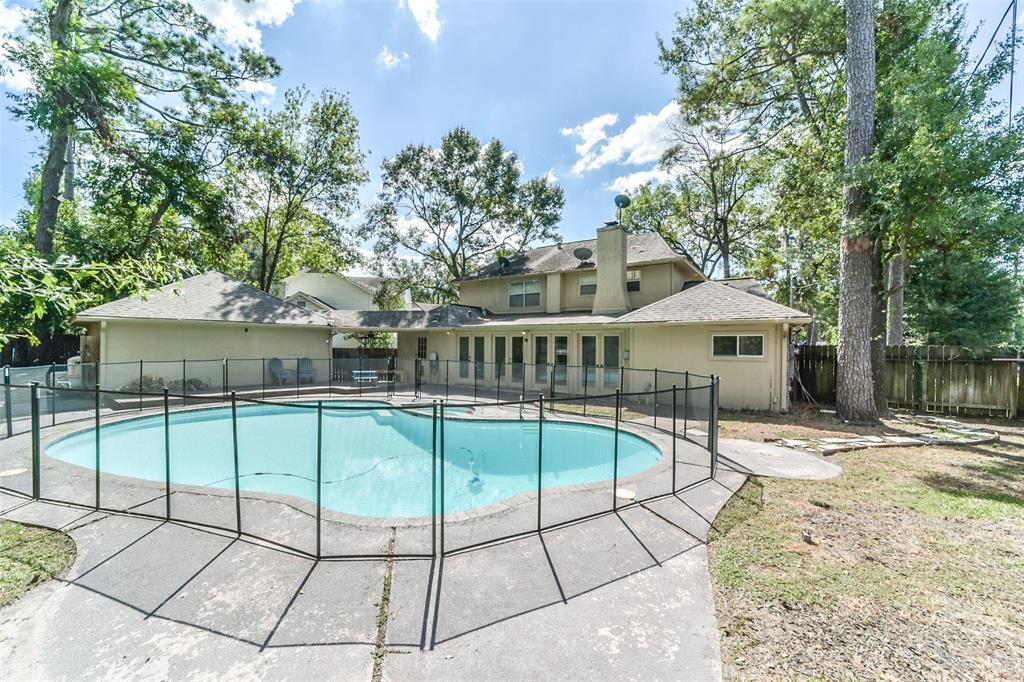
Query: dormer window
x=632 y=280
x=524 y=294
x=588 y=283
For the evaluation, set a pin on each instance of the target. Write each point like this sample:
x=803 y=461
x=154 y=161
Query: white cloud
x=643 y=141
x=389 y=60
x=12 y=19
x=591 y=132
x=425 y=14
x=550 y=176
x=240 y=23
x=631 y=182
x=259 y=87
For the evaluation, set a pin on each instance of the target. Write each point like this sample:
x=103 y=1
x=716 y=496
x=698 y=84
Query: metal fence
x=329 y=442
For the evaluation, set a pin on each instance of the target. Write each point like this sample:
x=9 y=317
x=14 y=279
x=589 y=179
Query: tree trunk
x=879 y=365
x=896 y=283
x=69 y=170
x=855 y=397
x=57 y=145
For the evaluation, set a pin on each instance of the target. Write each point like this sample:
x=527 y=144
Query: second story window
x=588 y=283
x=524 y=294
x=632 y=280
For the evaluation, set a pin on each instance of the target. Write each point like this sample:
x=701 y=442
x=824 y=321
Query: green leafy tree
x=295 y=180
x=99 y=68
x=458 y=206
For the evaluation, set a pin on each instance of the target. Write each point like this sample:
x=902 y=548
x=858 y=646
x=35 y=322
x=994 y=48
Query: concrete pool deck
x=621 y=596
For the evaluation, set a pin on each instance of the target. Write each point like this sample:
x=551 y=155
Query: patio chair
x=307 y=373
x=279 y=375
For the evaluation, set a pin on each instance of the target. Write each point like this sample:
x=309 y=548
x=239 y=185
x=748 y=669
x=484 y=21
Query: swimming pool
x=376 y=461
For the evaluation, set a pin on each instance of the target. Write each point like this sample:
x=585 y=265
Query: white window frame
x=633 y=276
x=522 y=286
x=588 y=274
x=737 y=336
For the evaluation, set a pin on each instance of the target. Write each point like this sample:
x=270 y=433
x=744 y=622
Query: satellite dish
x=582 y=253
x=621 y=200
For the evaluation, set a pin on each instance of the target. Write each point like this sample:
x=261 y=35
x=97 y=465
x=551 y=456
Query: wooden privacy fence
x=942 y=379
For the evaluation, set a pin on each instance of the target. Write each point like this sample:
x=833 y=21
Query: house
x=617 y=301
x=205 y=317
x=325 y=292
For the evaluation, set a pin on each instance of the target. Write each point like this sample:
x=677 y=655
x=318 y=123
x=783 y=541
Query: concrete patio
x=623 y=595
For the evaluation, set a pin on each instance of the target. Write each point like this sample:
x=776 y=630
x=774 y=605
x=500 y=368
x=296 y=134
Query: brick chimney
x=611 y=296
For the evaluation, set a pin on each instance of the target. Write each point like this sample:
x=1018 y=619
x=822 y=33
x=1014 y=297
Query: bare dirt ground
x=914 y=569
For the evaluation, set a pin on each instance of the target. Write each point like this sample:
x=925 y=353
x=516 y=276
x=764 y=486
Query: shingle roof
x=713 y=302
x=438 y=317
x=747 y=284
x=452 y=316
x=647 y=247
x=371 y=284
x=211 y=297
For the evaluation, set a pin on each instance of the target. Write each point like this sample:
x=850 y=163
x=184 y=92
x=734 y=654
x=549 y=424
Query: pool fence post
x=433 y=479
x=498 y=367
x=140 y=385
x=184 y=376
x=8 y=415
x=551 y=385
x=227 y=373
x=223 y=378
x=540 y=458
x=296 y=377
x=476 y=364
x=655 y=397
x=96 y=438
x=263 y=372
x=167 y=456
x=319 y=467
x=52 y=382
x=585 y=389
x=713 y=425
x=522 y=394
x=34 y=389
x=686 y=401
x=615 y=460
x=442 y=480
x=234 y=443
x=330 y=375
x=674 y=437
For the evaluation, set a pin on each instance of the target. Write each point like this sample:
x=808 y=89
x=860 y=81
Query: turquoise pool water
x=375 y=462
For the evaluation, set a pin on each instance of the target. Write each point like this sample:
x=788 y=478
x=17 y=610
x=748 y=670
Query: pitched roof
x=437 y=317
x=646 y=247
x=747 y=284
x=371 y=284
x=210 y=297
x=713 y=302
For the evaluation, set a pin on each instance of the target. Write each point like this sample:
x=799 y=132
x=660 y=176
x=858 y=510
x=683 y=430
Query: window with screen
x=632 y=280
x=524 y=294
x=737 y=345
x=588 y=283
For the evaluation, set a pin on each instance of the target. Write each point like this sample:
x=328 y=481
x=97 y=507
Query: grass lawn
x=916 y=566
x=29 y=556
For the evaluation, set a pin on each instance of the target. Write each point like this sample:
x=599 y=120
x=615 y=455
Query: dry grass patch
x=29 y=556
x=915 y=569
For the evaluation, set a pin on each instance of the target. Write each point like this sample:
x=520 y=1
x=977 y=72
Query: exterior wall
x=747 y=383
x=561 y=291
x=493 y=294
x=334 y=290
x=755 y=383
x=129 y=341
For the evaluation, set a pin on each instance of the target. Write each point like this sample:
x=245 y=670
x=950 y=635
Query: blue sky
x=573 y=87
